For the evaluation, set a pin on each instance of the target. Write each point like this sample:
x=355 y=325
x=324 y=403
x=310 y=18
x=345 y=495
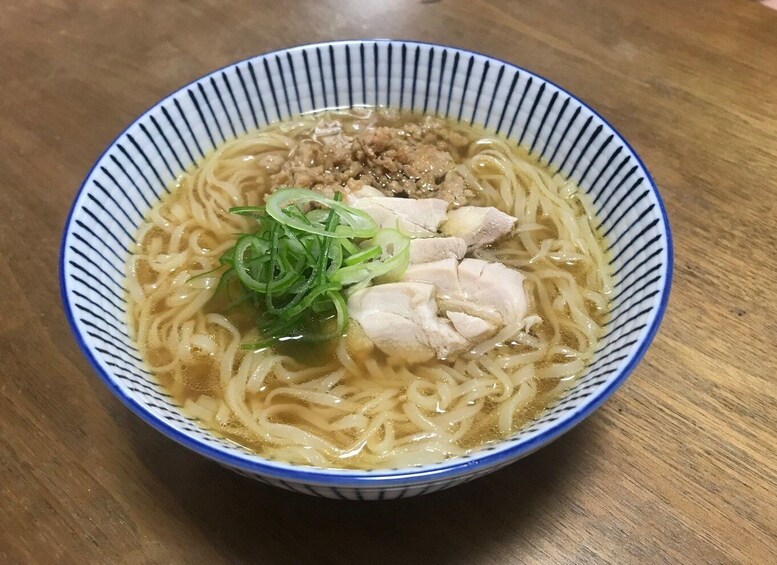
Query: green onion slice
x=394 y=258
x=353 y=223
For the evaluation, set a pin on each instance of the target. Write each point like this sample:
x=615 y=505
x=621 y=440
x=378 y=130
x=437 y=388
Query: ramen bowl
x=176 y=133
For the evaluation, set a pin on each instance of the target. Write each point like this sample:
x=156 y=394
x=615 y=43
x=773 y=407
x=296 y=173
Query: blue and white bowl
x=175 y=134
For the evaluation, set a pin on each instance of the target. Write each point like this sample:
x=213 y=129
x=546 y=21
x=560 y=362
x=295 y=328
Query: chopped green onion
x=361 y=256
x=301 y=263
x=355 y=223
x=394 y=257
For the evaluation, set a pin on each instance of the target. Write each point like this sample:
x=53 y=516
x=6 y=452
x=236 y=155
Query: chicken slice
x=427 y=249
x=442 y=274
x=480 y=288
x=401 y=319
x=411 y=217
x=494 y=285
x=478 y=225
x=472 y=328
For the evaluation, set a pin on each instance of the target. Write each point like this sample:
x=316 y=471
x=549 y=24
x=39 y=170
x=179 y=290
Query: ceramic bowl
x=177 y=132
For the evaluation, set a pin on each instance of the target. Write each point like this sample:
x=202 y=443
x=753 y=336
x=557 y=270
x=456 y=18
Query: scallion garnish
x=306 y=254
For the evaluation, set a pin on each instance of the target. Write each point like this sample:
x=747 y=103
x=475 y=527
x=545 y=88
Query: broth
x=331 y=404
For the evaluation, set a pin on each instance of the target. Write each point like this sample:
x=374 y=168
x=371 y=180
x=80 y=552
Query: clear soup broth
x=343 y=403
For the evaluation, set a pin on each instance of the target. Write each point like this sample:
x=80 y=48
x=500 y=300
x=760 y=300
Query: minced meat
x=416 y=160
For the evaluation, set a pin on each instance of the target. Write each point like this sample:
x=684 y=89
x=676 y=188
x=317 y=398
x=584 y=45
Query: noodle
x=349 y=409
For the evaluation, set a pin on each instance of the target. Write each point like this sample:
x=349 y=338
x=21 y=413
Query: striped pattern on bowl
x=175 y=134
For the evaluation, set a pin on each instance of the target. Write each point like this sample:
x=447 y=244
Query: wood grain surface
x=679 y=466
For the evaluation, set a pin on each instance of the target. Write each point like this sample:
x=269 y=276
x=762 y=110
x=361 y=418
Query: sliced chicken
x=495 y=286
x=442 y=274
x=472 y=328
x=491 y=292
x=478 y=225
x=477 y=298
x=427 y=249
x=401 y=319
x=416 y=218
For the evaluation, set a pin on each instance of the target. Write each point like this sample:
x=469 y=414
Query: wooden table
x=679 y=466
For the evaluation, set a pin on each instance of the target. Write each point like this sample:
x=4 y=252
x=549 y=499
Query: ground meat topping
x=415 y=160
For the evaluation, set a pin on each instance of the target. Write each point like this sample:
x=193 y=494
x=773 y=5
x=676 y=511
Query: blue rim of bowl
x=360 y=478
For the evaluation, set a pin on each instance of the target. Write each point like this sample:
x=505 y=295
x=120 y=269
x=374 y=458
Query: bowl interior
x=140 y=165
